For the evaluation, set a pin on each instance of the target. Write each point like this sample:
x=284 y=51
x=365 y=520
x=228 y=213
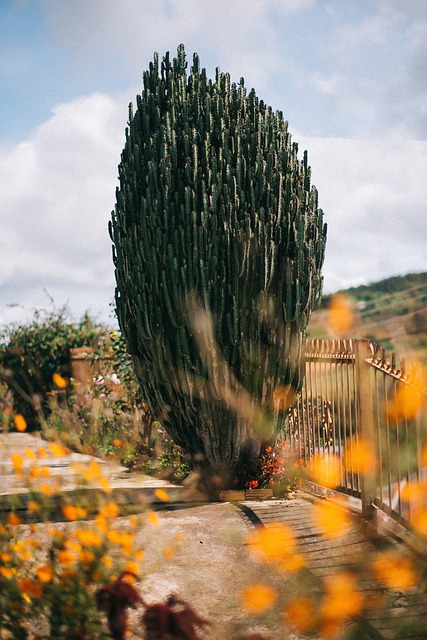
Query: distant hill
x=391 y=312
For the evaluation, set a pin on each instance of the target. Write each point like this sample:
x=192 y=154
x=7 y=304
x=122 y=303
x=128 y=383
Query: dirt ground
x=198 y=553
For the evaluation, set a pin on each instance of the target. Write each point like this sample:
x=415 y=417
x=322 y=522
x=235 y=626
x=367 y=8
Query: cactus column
x=214 y=212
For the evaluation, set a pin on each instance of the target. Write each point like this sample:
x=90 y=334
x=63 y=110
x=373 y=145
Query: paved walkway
x=351 y=551
x=391 y=608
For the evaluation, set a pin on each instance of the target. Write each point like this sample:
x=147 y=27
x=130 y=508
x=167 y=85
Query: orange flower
x=66 y=557
x=342 y=597
x=153 y=519
x=161 y=495
x=107 y=562
x=132 y=567
x=14 y=520
x=71 y=512
x=92 y=471
x=59 y=381
x=110 y=510
x=341 y=314
x=301 y=613
x=258 y=597
x=30 y=587
x=22 y=551
x=86 y=557
x=394 y=571
x=17 y=462
x=20 y=422
x=44 y=573
x=6 y=572
x=276 y=545
x=333 y=520
x=105 y=485
x=57 y=450
x=89 y=538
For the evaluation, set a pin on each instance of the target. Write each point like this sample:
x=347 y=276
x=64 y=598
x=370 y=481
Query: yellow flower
x=5 y=557
x=21 y=550
x=258 y=597
x=168 y=553
x=44 y=573
x=20 y=422
x=29 y=453
x=59 y=381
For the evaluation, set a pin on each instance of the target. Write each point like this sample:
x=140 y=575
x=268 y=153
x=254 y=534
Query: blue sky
x=350 y=77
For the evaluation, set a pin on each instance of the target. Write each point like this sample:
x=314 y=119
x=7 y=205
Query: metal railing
x=358 y=408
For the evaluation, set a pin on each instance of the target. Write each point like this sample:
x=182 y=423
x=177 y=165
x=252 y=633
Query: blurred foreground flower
x=276 y=545
x=341 y=314
x=59 y=381
x=258 y=597
x=20 y=422
x=332 y=519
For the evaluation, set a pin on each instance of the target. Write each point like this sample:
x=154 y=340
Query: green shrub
x=31 y=353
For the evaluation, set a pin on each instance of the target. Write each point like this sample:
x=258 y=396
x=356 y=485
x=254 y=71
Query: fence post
x=365 y=419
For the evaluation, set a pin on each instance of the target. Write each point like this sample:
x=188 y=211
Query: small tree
x=218 y=248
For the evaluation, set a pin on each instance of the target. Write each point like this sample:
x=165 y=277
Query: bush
x=31 y=354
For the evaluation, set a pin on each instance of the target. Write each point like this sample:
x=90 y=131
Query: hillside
x=392 y=312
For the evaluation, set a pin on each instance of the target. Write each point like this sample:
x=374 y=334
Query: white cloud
x=57 y=195
x=241 y=37
x=372 y=193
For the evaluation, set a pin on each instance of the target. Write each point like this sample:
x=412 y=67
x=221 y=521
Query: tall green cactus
x=213 y=206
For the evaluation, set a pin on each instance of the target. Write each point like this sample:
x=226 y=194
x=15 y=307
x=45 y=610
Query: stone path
x=136 y=489
x=389 y=609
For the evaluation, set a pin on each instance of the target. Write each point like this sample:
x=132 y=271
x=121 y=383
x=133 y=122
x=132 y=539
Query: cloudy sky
x=350 y=77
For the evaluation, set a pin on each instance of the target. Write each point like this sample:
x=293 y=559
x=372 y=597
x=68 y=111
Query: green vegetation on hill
x=391 y=312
